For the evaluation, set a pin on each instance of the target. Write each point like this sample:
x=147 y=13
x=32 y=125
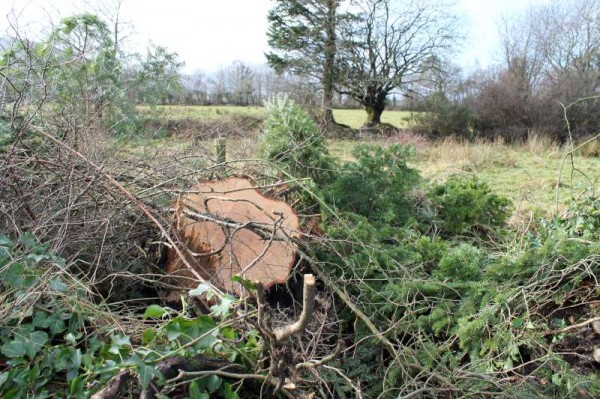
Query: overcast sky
x=210 y=34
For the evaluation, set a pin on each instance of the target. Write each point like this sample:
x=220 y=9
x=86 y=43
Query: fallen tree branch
x=359 y=313
x=572 y=327
x=387 y=344
x=316 y=363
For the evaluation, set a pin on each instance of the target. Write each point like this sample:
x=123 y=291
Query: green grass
x=354 y=118
x=526 y=174
x=201 y=112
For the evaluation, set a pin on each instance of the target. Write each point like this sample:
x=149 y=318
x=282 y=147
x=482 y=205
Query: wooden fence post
x=221 y=154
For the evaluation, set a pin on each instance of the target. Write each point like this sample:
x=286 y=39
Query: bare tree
x=522 y=49
x=389 y=45
x=240 y=82
x=196 y=84
x=551 y=55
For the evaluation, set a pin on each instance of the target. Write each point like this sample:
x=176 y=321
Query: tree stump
x=231 y=228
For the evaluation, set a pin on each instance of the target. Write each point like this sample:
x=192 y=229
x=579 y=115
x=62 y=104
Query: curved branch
x=308 y=308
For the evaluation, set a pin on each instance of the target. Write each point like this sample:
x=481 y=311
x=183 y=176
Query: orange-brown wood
x=230 y=228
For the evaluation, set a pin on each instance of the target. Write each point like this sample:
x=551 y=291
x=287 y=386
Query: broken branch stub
x=231 y=228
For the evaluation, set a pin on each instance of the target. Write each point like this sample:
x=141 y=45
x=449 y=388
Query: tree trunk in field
x=328 y=119
x=374 y=114
x=329 y=63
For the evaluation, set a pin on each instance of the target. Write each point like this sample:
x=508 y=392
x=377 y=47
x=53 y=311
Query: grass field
x=208 y=112
x=527 y=174
x=354 y=118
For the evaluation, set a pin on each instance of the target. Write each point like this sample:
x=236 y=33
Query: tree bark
x=329 y=63
x=374 y=114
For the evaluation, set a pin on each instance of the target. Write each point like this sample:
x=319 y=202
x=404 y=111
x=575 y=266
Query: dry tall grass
x=472 y=155
x=590 y=148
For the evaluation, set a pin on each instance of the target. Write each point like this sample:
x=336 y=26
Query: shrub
x=56 y=341
x=462 y=263
x=294 y=142
x=377 y=184
x=466 y=205
x=444 y=118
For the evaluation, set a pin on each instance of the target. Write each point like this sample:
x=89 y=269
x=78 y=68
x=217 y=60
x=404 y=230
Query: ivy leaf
x=213 y=383
x=58 y=285
x=210 y=383
x=34 y=343
x=56 y=324
x=76 y=386
x=40 y=320
x=37 y=258
x=146 y=373
x=148 y=336
x=118 y=341
x=195 y=392
x=76 y=358
x=173 y=330
x=28 y=240
x=3 y=376
x=5 y=241
x=13 y=349
x=5 y=245
x=228 y=392
x=154 y=312
x=121 y=340
x=13 y=276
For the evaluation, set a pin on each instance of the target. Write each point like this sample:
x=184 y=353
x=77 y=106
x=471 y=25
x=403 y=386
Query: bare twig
x=572 y=327
x=138 y=203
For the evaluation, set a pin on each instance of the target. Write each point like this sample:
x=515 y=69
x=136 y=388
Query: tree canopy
x=390 y=48
x=303 y=36
x=363 y=49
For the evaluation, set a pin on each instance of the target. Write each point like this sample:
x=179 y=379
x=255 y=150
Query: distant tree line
x=383 y=52
x=243 y=84
x=373 y=54
x=547 y=81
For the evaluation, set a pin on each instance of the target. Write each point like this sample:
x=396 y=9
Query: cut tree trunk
x=231 y=228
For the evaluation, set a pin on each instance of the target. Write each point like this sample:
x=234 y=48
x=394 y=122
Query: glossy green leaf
x=173 y=330
x=148 y=336
x=154 y=312
x=146 y=374
x=35 y=342
x=195 y=393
